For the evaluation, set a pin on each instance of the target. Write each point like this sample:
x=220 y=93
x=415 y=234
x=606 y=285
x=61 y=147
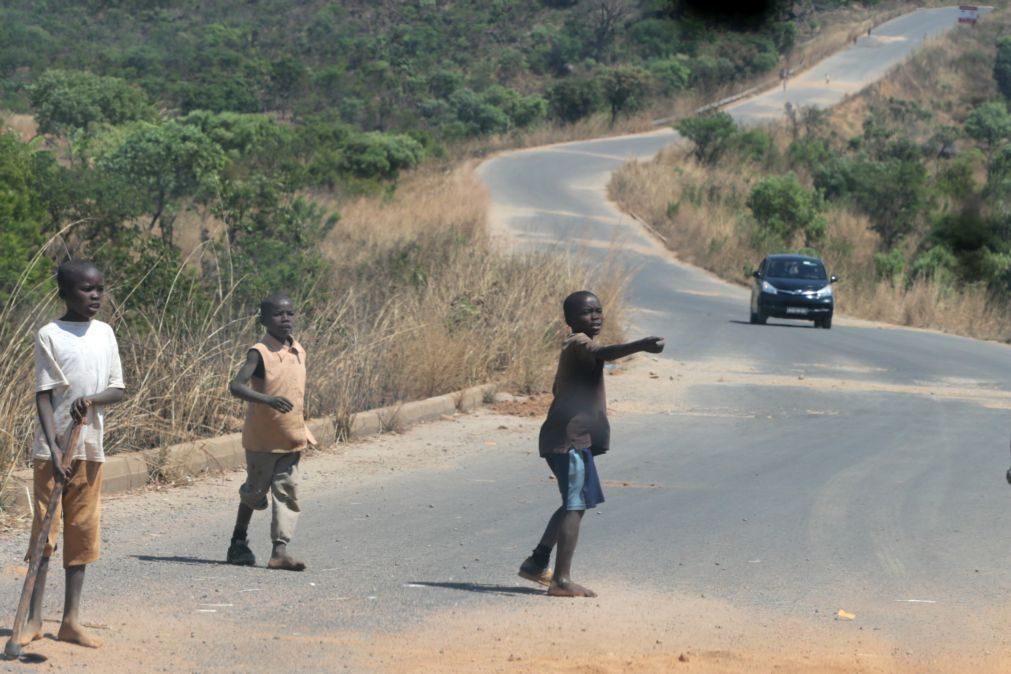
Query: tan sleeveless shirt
x=266 y=429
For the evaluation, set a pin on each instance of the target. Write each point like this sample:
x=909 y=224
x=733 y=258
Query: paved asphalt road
x=774 y=498
x=891 y=496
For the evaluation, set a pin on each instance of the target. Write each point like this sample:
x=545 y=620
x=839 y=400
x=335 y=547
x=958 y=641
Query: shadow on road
x=178 y=560
x=482 y=588
x=775 y=325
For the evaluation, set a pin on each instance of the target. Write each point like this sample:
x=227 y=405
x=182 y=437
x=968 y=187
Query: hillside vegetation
x=204 y=154
x=904 y=189
x=454 y=69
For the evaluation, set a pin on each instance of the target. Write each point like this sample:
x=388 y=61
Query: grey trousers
x=278 y=474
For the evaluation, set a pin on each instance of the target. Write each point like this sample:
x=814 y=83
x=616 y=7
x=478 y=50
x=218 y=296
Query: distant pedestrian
x=576 y=430
x=77 y=374
x=272 y=381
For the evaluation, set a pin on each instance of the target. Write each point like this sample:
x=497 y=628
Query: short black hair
x=574 y=303
x=68 y=272
x=271 y=301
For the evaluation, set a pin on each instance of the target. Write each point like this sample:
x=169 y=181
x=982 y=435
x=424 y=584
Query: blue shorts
x=577 y=479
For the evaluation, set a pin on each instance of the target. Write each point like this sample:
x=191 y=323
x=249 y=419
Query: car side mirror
x=756 y=274
x=833 y=279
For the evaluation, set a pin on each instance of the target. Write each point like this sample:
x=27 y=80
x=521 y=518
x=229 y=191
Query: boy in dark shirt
x=576 y=430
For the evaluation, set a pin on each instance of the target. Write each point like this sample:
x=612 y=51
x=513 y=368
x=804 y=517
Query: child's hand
x=653 y=344
x=281 y=404
x=79 y=408
x=60 y=474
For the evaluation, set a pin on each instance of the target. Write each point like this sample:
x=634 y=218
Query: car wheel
x=824 y=323
x=757 y=318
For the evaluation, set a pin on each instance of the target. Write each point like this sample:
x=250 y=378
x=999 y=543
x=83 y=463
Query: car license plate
x=797 y=310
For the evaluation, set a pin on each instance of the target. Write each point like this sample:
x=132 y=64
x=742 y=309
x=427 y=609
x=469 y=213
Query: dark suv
x=792 y=286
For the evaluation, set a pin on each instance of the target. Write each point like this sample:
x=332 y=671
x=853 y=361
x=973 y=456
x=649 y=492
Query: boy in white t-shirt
x=77 y=373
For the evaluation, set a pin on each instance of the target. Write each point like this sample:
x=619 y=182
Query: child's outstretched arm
x=616 y=351
x=240 y=385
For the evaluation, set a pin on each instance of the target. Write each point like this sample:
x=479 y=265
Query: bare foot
x=31 y=632
x=566 y=588
x=286 y=563
x=75 y=635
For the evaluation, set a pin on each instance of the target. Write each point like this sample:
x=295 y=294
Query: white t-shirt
x=74 y=359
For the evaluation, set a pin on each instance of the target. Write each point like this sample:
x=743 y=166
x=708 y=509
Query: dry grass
x=420 y=305
x=23 y=126
x=948 y=78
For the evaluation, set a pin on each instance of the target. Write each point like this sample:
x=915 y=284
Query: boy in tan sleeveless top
x=272 y=381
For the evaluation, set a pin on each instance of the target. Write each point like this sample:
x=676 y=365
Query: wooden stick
x=13 y=647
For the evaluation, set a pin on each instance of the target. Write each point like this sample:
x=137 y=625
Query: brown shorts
x=82 y=511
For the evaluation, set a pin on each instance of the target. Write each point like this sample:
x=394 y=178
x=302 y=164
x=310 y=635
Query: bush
x=890 y=266
x=476 y=115
x=574 y=98
x=938 y=264
x=754 y=144
x=989 y=124
x=783 y=206
x=671 y=74
x=710 y=133
x=380 y=155
x=66 y=100
x=521 y=110
x=1002 y=66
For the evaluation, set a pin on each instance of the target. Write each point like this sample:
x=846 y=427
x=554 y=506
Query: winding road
x=762 y=479
x=874 y=489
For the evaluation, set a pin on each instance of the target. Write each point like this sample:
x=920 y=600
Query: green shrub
x=1002 y=66
x=380 y=155
x=574 y=98
x=782 y=205
x=67 y=100
x=711 y=134
x=671 y=74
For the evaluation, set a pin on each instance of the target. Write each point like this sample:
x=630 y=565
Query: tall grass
x=419 y=304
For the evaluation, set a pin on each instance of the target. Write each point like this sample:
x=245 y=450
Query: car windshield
x=799 y=269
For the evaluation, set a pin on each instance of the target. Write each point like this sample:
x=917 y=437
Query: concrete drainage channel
x=123 y=472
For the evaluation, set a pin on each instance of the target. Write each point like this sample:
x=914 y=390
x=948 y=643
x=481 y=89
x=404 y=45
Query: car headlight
x=768 y=288
x=824 y=292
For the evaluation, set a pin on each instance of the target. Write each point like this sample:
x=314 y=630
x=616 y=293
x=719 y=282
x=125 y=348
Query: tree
x=574 y=98
x=709 y=132
x=70 y=100
x=602 y=19
x=625 y=88
x=989 y=125
x=1002 y=66
x=165 y=163
x=892 y=194
x=272 y=239
x=21 y=217
x=784 y=207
